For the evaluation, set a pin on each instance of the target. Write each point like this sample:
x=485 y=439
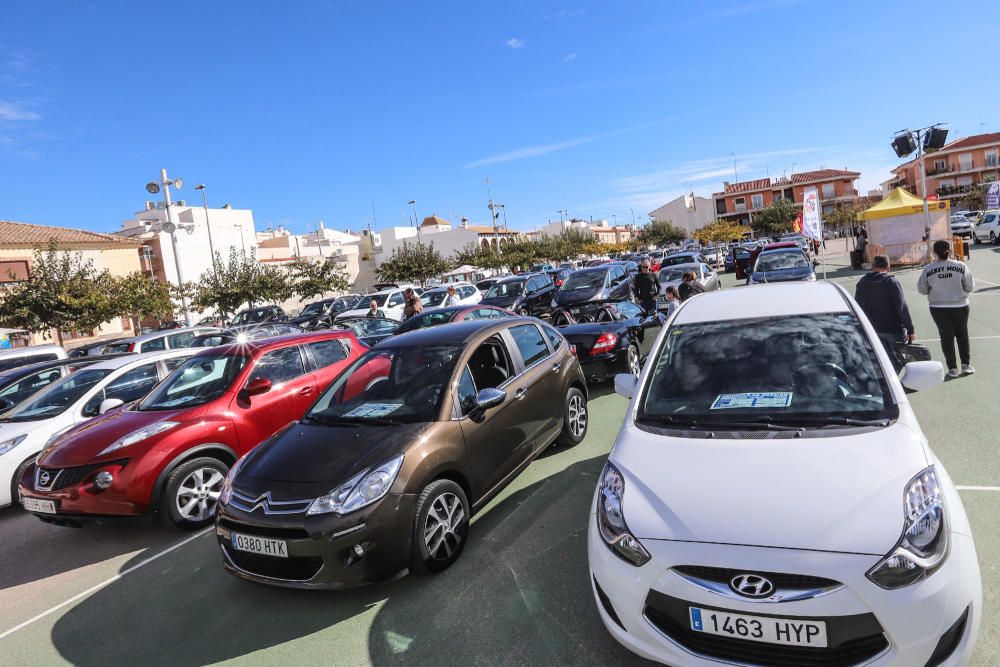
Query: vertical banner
x=993 y=197
x=811 y=224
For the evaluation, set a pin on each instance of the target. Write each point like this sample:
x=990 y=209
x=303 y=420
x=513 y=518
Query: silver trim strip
x=779 y=595
x=248 y=504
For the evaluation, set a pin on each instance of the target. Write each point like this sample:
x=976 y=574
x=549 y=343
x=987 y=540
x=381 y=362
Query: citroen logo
x=751 y=585
x=44 y=477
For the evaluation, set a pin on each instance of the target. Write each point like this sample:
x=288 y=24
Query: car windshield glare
x=782 y=260
x=391 y=385
x=57 y=397
x=500 y=290
x=585 y=280
x=766 y=370
x=197 y=381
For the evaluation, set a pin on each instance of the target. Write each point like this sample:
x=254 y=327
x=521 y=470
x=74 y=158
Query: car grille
x=723 y=575
x=290 y=569
x=63 y=478
x=249 y=503
x=266 y=531
x=853 y=639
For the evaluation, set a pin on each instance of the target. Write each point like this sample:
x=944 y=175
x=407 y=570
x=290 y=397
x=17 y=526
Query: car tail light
x=131 y=347
x=572 y=350
x=604 y=343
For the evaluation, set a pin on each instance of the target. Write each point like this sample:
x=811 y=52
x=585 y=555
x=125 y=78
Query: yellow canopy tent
x=896 y=227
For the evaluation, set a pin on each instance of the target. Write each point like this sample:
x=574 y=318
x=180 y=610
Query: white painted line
x=103 y=584
x=978 y=488
x=981 y=280
x=938 y=340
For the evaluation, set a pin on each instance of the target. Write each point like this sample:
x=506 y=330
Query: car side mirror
x=258 y=386
x=920 y=375
x=6 y=404
x=109 y=404
x=625 y=384
x=489 y=398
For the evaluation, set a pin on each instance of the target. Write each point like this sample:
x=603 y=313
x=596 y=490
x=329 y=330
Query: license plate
x=264 y=546
x=37 y=505
x=767 y=629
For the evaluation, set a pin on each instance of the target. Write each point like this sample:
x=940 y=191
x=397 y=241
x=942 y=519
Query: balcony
x=946 y=169
x=740 y=208
x=955 y=190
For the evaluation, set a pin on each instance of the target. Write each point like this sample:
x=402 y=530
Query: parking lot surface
x=135 y=593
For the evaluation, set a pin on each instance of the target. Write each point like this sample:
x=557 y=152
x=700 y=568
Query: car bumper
x=600 y=367
x=631 y=603
x=322 y=549
x=82 y=500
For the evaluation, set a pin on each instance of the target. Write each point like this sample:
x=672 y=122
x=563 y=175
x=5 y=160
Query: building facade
x=688 y=212
x=955 y=170
x=739 y=201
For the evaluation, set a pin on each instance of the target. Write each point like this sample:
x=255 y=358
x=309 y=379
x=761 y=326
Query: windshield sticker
x=373 y=410
x=754 y=399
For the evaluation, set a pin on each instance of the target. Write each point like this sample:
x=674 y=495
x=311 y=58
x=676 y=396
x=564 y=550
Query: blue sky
x=307 y=111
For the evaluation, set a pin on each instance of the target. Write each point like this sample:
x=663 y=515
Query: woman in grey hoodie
x=947 y=284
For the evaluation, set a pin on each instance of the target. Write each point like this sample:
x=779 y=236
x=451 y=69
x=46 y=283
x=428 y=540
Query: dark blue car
x=782 y=265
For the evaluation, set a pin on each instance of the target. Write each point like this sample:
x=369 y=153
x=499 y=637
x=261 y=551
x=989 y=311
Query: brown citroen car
x=382 y=474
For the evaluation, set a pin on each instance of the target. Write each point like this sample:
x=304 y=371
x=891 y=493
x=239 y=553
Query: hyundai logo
x=751 y=585
x=43 y=478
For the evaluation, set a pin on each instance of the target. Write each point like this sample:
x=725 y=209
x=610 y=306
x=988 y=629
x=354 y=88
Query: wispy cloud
x=570 y=58
x=529 y=151
x=515 y=43
x=11 y=111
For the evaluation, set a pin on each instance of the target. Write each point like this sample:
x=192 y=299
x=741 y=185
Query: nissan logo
x=751 y=585
x=43 y=478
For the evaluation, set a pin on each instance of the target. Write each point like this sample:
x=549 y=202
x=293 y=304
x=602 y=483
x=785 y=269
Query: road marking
x=938 y=340
x=103 y=584
x=978 y=488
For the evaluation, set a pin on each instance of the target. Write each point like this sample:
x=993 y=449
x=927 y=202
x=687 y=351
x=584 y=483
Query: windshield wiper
x=357 y=421
x=831 y=420
x=719 y=424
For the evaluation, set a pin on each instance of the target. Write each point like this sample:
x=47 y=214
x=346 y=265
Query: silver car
x=705 y=276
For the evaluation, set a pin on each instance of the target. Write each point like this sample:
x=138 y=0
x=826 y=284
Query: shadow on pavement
x=32 y=551
x=519 y=594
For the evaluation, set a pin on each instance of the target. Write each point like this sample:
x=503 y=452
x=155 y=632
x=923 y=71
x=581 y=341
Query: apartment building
x=955 y=170
x=738 y=201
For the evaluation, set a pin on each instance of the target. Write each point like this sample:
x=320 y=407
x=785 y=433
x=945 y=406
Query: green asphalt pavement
x=518 y=596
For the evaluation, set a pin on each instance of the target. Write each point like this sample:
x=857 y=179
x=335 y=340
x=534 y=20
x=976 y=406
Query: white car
x=988 y=228
x=467 y=294
x=75 y=398
x=157 y=341
x=771 y=499
x=390 y=301
x=14 y=357
x=961 y=226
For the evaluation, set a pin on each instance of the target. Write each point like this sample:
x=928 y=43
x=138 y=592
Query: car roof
x=688 y=265
x=31 y=349
x=518 y=278
x=160 y=334
x=20 y=371
x=451 y=334
x=777 y=251
x=265 y=344
x=773 y=300
x=117 y=362
x=780 y=245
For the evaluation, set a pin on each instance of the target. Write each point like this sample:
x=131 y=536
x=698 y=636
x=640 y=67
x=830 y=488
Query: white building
x=224 y=228
x=689 y=212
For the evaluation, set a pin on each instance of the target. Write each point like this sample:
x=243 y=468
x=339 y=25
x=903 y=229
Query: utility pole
x=171 y=229
x=208 y=225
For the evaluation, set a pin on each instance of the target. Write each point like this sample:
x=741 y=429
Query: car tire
x=18 y=474
x=191 y=493
x=523 y=311
x=440 y=526
x=993 y=238
x=632 y=360
x=575 y=418
x=975 y=240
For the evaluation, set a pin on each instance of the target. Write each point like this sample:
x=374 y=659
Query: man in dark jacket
x=646 y=286
x=881 y=297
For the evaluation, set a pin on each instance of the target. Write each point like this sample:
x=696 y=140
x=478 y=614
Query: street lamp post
x=208 y=224
x=171 y=229
x=413 y=203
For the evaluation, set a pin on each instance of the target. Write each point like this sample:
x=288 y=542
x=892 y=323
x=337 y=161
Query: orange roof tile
x=24 y=234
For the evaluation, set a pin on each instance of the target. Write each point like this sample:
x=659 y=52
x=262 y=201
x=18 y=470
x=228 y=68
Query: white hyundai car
x=75 y=398
x=771 y=499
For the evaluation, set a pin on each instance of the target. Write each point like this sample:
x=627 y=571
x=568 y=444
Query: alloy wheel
x=198 y=494
x=577 y=416
x=441 y=528
x=633 y=361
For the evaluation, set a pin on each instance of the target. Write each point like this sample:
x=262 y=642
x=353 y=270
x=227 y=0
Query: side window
x=555 y=338
x=134 y=384
x=544 y=281
x=181 y=340
x=618 y=275
x=326 y=352
x=479 y=314
x=466 y=392
x=280 y=366
x=490 y=364
x=395 y=300
x=171 y=364
x=530 y=343
x=155 y=345
x=465 y=292
x=629 y=310
x=27 y=386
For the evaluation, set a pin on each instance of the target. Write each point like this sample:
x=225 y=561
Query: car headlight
x=8 y=445
x=923 y=546
x=360 y=491
x=227 y=485
x=138 y=436
x=611 y=519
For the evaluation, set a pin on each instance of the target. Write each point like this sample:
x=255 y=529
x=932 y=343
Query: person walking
x=689 y=286
x=947 y=284
x=646 y=286
x=673 y=300
x=881 y=298
x=413 y=304
x=452 y=298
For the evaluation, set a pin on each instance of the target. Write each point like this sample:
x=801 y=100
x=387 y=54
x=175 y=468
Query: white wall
x=685 y=218
x=445 y=242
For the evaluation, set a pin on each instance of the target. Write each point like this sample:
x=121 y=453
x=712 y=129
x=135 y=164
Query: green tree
x=273 y=285
x=842 y=217
x=662 y=232
x=720 y=231
x=774 y=219
x=62 y=292
x=136 y=296
x=412 y=262
x=474 y=254
x=230 y=284
x=313 y=279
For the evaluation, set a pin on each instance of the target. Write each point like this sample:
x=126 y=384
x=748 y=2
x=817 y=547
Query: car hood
x=11 y=430
x=834 y=493
x=311 y=453
x=781 y=275
x=83 y=443
x=501 y=301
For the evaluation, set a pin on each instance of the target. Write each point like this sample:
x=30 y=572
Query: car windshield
x=377 y=298
x=314 y=308
x=116 y=348
x=587 y=280
x=672 y=275
x=371 y=326
x=433 y=298
x=431 y=319
x=677 y=259
x=57 y=397
x=250 y=317
x=500 y=290
x=388 y=386
x=776 y=261
x=766 y=371
x=197 y=381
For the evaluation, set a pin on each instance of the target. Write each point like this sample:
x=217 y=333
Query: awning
x=900 y=202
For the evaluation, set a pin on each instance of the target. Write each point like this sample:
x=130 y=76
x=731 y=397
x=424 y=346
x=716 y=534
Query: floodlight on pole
x=170 y=228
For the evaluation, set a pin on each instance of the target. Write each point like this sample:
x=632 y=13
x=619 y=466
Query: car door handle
x=306 y=391
x=556 y=367
x=520 y=393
